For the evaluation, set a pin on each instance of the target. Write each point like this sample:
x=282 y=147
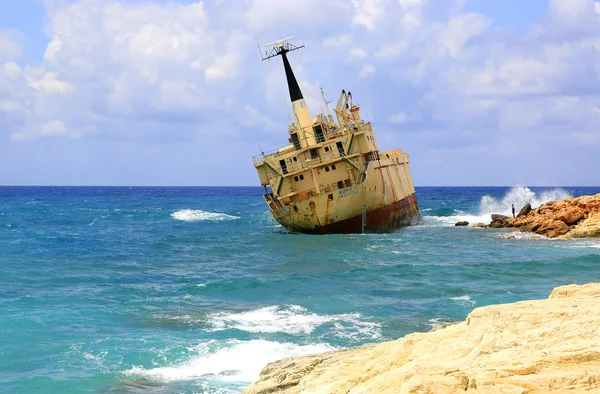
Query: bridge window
x=326 y=149
x=333 y=167
x=319 y=133
x=283 y=166
x=340 y=184
x=301 y=177
x=326 y=169
x=314 y=153
x=296 y=178
x=340 y=147
x=347 y=182
x=295 y=141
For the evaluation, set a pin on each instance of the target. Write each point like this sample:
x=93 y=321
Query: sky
x=133 y=92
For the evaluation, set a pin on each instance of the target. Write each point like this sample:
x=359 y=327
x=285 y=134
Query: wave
x=293 y=319
x=522 y=236
x=232 y=360
x=463 y=299
x=193 y=215
x=518 y=195
x=441 y=212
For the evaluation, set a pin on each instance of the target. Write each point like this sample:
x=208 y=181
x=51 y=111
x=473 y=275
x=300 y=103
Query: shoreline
x=548 y=345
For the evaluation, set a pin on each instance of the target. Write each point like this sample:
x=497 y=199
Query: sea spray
x=518 y=195
x=230 y=360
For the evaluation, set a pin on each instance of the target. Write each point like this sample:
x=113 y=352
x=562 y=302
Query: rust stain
x=392 y=184
x=313 y=209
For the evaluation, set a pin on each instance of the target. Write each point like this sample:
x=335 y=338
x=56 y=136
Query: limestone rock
x=525 y=210
x=544 y=346
x=498 y=218
x=569 y=218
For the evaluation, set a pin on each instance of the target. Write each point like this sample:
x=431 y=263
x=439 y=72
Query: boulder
x=570 y=215
x=553 y=228
x=460 y=224
x=525 y=210
x=498 y=218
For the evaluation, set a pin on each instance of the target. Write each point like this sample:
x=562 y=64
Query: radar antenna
x=281 y=47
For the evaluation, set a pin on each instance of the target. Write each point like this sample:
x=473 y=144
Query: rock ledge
x=568 y=218
x=544 y=346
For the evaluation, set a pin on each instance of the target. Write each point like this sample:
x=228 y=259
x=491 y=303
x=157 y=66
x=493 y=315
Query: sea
x=196 y=289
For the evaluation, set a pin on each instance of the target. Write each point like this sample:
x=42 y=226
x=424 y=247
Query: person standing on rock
x=513 y=210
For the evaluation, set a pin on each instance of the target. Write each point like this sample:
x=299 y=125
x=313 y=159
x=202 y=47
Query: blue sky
x=478 y=92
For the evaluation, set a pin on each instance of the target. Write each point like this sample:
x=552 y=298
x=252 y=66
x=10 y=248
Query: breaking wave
x=232 y=360
x=294 y=319
x=193 y=215
x=518 y=195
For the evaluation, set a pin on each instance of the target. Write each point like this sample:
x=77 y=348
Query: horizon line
x=258 y=186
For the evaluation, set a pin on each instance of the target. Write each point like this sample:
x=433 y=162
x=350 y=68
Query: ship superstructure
x=331 y=178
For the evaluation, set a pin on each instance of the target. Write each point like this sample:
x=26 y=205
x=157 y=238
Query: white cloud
x=573 y=12
x=406 y=4
x=357 y=53
x=461 y=29
x=368 y=12
x=10 y=49
x=173 y=72
x=366 y=70
x=336 y=41
x=403 y=117
x=125 y=62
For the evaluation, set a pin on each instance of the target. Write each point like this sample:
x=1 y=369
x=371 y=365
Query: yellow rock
x=544 y=346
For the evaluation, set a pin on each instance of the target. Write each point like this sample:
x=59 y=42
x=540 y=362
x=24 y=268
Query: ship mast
x=301 y=112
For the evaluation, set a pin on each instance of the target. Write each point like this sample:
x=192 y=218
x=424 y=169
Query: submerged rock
x=548 y=346
x=569 y=218
x=460 y=224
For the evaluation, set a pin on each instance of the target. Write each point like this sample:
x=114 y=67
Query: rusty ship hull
x=384 y=201
x=399 y=214
x=332 y=178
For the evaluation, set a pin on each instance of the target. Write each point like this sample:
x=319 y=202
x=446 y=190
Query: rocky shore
x=544 y=346
x=568 y=218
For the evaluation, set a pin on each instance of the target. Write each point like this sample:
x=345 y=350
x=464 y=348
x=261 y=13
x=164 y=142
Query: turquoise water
x=194 y=290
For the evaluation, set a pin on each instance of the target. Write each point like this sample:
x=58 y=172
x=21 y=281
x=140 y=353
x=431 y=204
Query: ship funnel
x=303 y=118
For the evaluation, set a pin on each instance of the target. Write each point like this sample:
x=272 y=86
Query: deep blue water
x=194 y=290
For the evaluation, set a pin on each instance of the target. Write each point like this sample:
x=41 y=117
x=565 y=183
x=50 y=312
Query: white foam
x=192 y=215
x=293 y=319
x=232 y=360
x=438 y=321
x=463 y=299
x=518 y=195
x=521 y=235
